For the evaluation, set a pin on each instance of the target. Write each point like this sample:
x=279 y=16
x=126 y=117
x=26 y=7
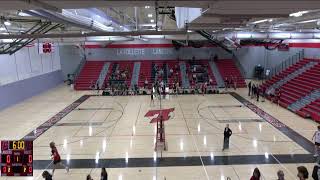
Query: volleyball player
x=55 y=156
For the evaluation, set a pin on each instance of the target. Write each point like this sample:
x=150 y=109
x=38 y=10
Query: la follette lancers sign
x=157 y=115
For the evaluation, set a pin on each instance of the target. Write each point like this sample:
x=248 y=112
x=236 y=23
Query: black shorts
x=316 y=143
x=57 y=161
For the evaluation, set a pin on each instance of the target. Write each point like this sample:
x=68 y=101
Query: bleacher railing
x=285 y=64
x=239 y=65
x=79 y=68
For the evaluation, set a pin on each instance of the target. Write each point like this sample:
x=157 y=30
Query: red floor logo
x=156 y=114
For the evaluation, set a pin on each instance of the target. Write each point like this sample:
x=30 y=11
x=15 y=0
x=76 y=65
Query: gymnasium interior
x=145 y=89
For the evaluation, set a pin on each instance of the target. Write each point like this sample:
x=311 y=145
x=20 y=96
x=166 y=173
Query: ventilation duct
x=67 y=17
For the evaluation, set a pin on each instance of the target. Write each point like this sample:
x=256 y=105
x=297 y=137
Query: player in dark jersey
x=55 y=156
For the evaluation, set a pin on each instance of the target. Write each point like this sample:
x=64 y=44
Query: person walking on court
x=316 y=138
x=104 y=174
x=226 y=137
x=258 y=92
x=249 y=88
x=56 y=158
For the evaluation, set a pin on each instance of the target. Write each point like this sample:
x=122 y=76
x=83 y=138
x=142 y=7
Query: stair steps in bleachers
x=216 y=74
x=184 y=76
x=103 y=74
x=135 y=73
x=304 y=101
x=89 y=74
x=292 y=75
x=228 y=70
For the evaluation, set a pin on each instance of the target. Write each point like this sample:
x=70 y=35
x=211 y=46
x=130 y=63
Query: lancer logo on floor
x=155 y=115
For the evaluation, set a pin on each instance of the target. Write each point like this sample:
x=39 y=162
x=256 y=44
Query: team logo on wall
x=156 y=115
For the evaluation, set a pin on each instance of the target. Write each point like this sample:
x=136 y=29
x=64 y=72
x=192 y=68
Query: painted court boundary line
x=182 y=161
x=56 y=118
x=290 y=133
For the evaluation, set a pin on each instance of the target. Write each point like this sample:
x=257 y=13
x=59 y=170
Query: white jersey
x=317 y=137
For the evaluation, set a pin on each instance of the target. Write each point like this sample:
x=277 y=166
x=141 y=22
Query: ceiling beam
x=212 y=25
x=244 y=16
x=42 y=5
x=74 y=35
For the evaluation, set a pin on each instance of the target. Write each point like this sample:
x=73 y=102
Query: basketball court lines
x=240 y=120
x=81 y=124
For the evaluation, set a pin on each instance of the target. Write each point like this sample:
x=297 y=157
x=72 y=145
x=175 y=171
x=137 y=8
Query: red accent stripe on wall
x=95 y=46
x=304 y=45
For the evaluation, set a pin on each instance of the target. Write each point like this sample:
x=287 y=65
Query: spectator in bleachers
x=303 y=173
x=136 y=89
x=145 y=86
x=256 y=174
x=210 y=81
x=226 y=83
x=177 y=87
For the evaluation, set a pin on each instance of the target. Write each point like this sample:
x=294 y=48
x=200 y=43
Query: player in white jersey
x=316 y=138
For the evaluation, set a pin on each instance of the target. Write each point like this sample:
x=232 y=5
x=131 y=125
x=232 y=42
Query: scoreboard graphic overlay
x=16 y=158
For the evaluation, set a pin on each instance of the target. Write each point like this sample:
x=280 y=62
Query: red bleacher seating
x=89 y=73
x=145 y=73
x=284 y=73
x=176 y=73
x=228 y=69
x=300 y=86
x=311 y=110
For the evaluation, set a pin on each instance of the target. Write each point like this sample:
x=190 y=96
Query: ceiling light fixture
x=308 y=21
x=2 y=29
x=150 y=15
x=298 y=14
x=7 y=23
x=147 y=7
x=20 y=13
x=152 y=20
x=261 y=21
